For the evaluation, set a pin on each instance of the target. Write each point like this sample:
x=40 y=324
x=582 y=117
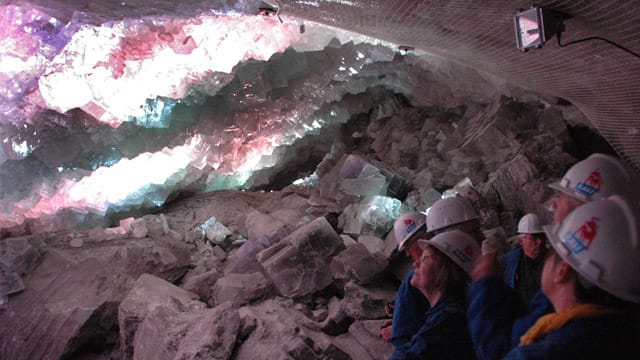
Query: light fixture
x=535 y=26
x=267 y=9
x=404 y=49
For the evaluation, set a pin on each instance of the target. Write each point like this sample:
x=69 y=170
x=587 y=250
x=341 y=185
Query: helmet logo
x=581 y=239
x=410 y=224
x=463 y=255
x=591 y=184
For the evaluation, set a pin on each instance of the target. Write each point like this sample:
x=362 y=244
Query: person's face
x=414 y=252
x=425 y=266
x=562 y=205
x=533 y=245
x=547 y=283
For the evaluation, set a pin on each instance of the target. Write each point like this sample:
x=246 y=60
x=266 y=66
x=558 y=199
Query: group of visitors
x=570 y=290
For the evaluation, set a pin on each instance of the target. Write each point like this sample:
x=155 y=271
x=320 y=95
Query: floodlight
x=535 y=26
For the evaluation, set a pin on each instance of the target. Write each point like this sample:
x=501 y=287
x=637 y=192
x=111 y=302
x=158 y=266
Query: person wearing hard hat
x=592 y=278
x=442 y=275
x=445 y=215
x=457 y=213
x=454 y=213
x=593 y=178
x=410 y=304
x=523 y=265
x=496 y=320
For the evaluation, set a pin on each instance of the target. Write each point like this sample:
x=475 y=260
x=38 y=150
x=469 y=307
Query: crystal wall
x=104 y=118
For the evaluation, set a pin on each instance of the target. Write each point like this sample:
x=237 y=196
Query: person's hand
x=388 y=309
x=385 y=331
x=486 y=265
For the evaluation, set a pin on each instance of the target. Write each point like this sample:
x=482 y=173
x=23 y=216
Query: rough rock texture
x=172 y=331
x=298 y=265
x=356 y=263
x=366 y=302
x=366 y=333
x=328 y=254
x=240 y=289
x=277 y=332
x=71 y=294
x=148 y=294
x=202 y=284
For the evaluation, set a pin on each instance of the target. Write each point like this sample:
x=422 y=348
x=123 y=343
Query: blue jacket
x=510 y=263
x=443 y=334
x=408 y=311
x=606 y=337
x=497 y=318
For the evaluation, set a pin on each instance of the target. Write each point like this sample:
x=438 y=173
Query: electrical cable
x=597 y=38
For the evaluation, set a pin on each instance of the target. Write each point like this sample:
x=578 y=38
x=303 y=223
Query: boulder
x=366 y=333
x=170 y=331
x=239 y=289
x=259 y=224
x=148 y=294
x=373 y=215
x=244 y=260
x=367 y=302
x=373 y=244
x=71 y=295
x=273 y=331
x=359 y=265
x=299 y=264
x=202 y=284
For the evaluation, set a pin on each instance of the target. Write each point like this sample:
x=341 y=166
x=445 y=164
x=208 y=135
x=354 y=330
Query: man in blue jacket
x=592 y=278
x=496 y=318
x=523 y=265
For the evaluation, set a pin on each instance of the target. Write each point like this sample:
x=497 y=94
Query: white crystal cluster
x=156 y=73
x=113 y=69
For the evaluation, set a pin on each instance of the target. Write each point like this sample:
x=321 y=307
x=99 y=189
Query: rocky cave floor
x=296 y=271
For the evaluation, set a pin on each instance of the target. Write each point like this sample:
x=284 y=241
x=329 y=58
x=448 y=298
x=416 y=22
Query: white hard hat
x=594 y=178
x=600 y=241
x=530 y=224
x=458 y=246
x=406 y=225
x=449 y=211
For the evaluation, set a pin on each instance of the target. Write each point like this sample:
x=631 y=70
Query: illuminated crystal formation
x=118 y=116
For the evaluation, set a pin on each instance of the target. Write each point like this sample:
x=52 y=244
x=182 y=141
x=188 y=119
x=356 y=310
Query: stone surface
x=373 y=244
x=356 y=263
x=202 y=284
x=517 y=186
x=170 y=331
x=276 y=332
x=149 y=293
x=244 y=260
x=215 y=231
x=239 y=289
x=10 y=282
x=259 y=224
x=71 y=295
x=366 y=333
x=372 y=216
x=298 y=265
x=367 y=302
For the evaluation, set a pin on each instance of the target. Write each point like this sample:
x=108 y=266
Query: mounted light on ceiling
x=535 y=26
x=267 y=9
